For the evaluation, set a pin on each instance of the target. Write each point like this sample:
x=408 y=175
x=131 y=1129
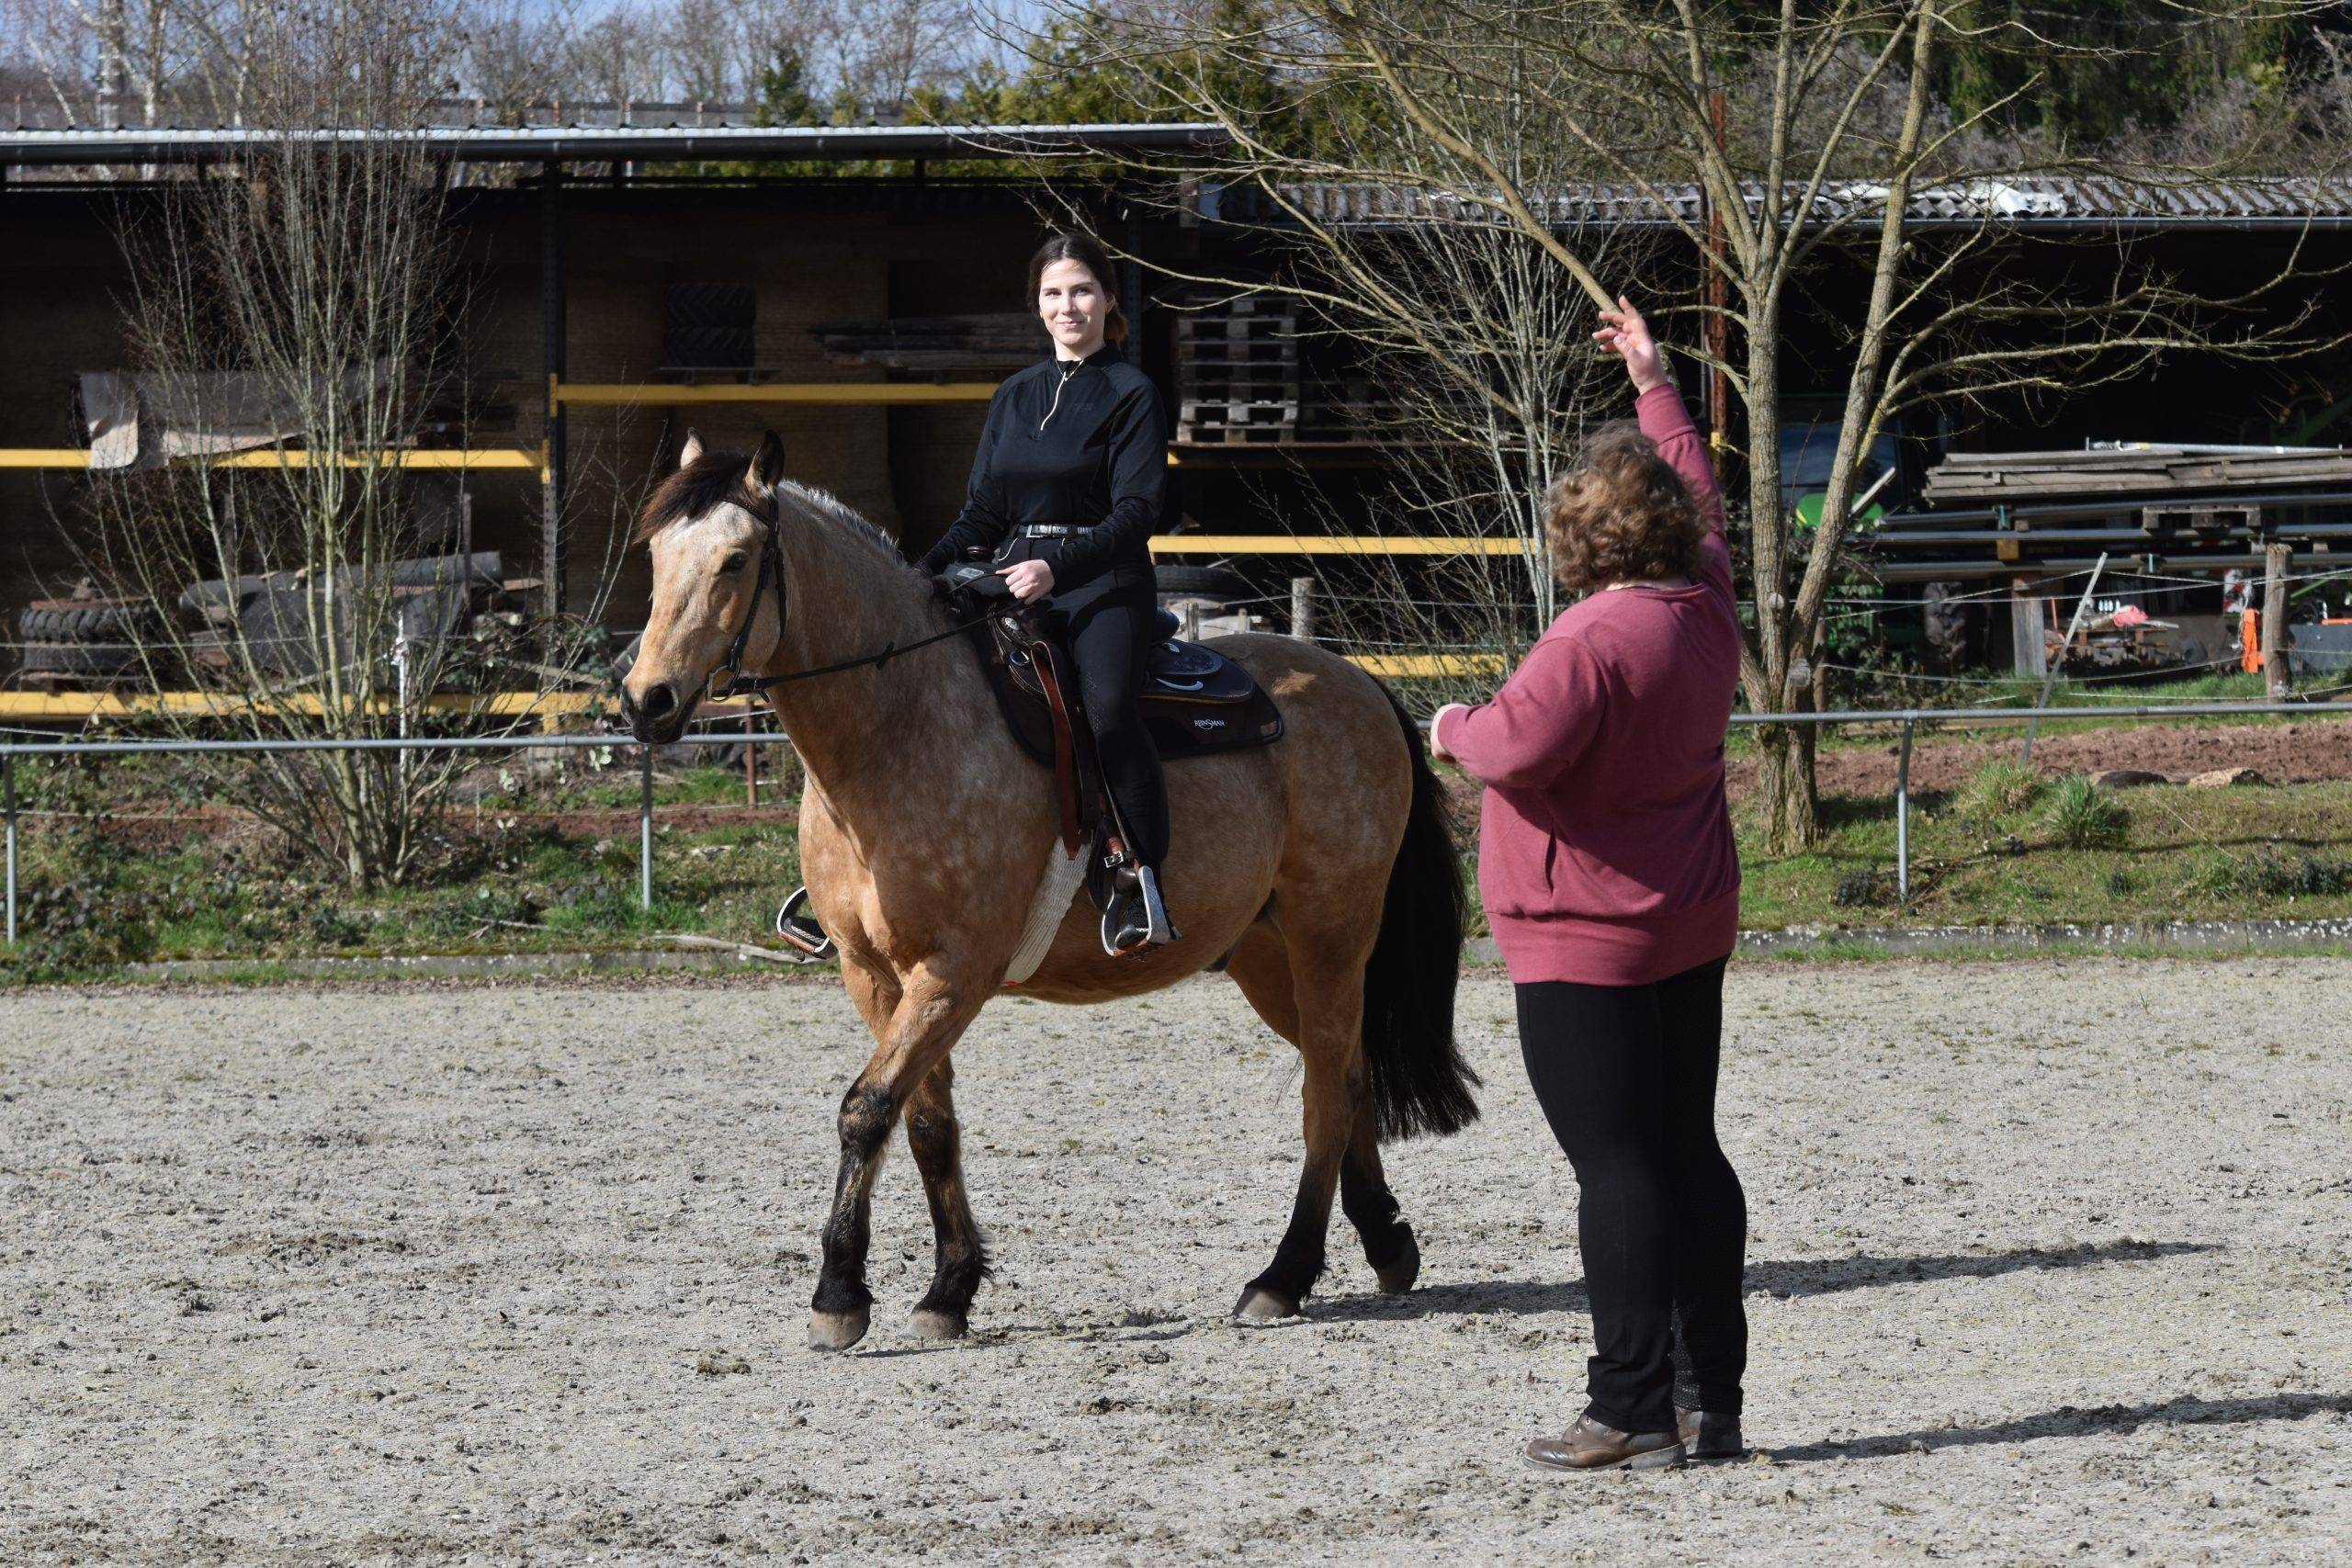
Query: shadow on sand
x=1809 y=1277
x=2066 y=1421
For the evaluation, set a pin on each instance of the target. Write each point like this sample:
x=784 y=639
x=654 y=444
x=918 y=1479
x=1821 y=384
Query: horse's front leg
x=963 y=1259
x=931 y=1014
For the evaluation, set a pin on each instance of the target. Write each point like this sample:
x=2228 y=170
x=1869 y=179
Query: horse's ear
x=691 y=450
x=767 y=467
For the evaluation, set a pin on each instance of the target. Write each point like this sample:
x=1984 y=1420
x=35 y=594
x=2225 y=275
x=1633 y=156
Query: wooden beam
x=807 y=394
x=434 y=458
x=1327 y=544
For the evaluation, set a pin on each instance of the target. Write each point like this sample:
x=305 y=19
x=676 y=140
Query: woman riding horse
x=1066 y=488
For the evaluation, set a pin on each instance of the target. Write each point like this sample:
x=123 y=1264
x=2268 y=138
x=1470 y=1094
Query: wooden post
x=2026 y=654
x=1302 y=608
x=2277 y=679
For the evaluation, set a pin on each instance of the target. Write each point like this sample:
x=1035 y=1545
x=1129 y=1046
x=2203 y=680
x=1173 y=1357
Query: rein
x=771 y=568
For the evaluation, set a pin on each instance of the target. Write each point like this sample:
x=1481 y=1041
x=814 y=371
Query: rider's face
x=1071 y=304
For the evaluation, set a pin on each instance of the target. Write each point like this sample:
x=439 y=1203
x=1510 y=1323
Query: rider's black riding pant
x=1111 y=627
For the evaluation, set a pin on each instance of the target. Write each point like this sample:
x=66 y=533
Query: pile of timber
x=929 y=345
x=1981 y=477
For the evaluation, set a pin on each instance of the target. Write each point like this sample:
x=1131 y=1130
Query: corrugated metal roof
x=614 y=143
x=2092 y=199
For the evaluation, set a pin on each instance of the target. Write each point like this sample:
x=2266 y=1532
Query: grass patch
x=2081 y=816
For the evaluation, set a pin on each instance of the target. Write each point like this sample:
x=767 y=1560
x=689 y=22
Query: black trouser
x=1111 y=627
x=1626 y=1076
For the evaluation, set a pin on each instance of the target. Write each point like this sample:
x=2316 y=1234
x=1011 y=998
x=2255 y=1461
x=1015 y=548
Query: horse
x=1318 y=872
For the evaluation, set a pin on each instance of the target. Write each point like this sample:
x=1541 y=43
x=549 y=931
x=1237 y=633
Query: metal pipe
x=1903 y=817
x=645 y=834
x=9 y=789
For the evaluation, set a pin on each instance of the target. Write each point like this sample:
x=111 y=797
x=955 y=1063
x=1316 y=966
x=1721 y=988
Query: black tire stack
x=99 y=640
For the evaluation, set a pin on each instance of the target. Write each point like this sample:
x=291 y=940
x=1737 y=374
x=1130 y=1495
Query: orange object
x=2250 y=640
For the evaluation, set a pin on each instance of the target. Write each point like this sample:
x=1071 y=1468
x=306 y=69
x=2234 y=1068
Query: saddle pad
x=1056 y=889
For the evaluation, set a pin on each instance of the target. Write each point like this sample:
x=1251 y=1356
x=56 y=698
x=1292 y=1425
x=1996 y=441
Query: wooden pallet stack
x=1978 y=477
x=936 y=344
x=1237 y=373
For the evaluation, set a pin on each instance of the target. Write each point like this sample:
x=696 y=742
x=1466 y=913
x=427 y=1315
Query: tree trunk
x=1788 y=806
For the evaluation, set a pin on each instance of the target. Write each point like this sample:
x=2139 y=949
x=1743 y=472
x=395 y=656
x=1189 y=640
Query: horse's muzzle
x=660 y=717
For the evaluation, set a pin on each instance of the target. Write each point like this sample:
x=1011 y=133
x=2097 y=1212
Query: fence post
x=8 y=788
x=1903 y=817
x=1302 y=608
x=645 y=832
x=2277 y=678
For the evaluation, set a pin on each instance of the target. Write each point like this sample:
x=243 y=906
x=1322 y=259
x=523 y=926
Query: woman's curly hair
x=1625 y=514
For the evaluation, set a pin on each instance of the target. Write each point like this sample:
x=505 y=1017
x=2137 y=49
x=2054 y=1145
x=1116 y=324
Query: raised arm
x=1657 y=405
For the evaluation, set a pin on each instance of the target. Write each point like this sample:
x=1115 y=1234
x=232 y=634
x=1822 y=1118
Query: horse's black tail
x=1419 y=1082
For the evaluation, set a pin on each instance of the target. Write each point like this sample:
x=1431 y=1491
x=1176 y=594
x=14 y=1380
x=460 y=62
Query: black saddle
x=1195 y=701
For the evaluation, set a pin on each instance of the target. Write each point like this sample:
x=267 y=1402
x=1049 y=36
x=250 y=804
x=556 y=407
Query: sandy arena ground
x=2050 y=1261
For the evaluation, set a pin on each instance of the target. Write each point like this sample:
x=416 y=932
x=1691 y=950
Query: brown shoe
x=1706 y=1433
x=1589 y=1445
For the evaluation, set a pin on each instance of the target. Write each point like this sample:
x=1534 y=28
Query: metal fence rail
x=1905 y=719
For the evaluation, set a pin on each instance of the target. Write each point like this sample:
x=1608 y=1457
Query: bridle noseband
x=772 y=570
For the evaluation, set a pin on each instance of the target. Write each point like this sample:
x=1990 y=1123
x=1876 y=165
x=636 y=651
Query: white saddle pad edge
x=1056 y=889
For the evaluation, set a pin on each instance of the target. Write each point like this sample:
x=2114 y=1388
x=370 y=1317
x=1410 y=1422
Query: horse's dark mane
x=721 y=479
x=710 y=481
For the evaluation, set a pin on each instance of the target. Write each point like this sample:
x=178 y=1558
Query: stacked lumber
x=932 y=345
x=1981 y=477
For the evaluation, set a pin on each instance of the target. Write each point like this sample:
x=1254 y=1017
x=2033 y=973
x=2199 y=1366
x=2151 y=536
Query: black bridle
x=772 y=570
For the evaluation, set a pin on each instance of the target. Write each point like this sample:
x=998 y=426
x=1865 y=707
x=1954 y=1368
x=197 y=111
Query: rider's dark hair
x=1071 y=245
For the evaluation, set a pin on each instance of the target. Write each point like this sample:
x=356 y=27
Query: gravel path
x=2050 y=1260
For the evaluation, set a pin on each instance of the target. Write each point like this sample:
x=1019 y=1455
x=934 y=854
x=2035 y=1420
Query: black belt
x=1049 y=530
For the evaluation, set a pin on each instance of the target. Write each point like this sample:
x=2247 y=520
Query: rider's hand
x=1627 y=335
x=1030 y=579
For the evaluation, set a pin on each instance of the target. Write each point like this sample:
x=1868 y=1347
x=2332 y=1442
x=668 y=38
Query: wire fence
x=1905 y=720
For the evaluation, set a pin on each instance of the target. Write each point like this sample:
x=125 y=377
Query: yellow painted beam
x=118 y=705
x=1334 y=545
x=807 y=394
x=1427 y=664
x=265 y=457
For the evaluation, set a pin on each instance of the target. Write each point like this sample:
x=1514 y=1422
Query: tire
x=77 y=622
x=78 y=659
x=1200 y=582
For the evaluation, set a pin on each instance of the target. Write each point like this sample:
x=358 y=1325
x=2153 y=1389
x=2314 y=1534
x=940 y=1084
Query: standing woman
x=1067 y=489
x=1611 y=883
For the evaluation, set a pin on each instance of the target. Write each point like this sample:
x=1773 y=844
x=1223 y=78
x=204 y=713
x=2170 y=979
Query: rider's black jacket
x=1080 y=443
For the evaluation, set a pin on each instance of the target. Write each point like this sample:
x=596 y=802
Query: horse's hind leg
x=1261 y=966
x=1388 y=1243
x=963 y=1261
x=1328 y=995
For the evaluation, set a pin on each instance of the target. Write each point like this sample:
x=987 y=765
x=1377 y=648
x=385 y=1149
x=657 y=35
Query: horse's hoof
x=930 y=1324
x=1397 y=1275
x=1258 y=1304
x=836 y=1330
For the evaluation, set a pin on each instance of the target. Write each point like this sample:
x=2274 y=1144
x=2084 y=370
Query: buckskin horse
x=1317 y=871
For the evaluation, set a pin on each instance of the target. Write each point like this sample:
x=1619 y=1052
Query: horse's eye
x=736 y=562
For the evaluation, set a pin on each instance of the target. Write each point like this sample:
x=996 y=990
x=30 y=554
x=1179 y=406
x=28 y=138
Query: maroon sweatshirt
x=1605 y=853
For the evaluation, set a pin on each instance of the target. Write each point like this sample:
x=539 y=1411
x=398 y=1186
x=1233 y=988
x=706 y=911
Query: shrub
x=2001 y=788
x=2081 y=816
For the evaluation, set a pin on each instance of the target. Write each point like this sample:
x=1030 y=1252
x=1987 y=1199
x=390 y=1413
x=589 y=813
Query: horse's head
x=707 y=526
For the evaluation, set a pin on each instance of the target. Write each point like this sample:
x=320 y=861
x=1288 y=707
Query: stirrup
x=801 y=928
x=1137 y=917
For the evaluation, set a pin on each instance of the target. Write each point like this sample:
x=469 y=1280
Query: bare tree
x=311 y=290
x=1813 y=180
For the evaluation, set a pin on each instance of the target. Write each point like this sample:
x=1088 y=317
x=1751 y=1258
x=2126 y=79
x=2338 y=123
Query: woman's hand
x=1627 y=335
x=1436 y=750
x=1030 y=579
